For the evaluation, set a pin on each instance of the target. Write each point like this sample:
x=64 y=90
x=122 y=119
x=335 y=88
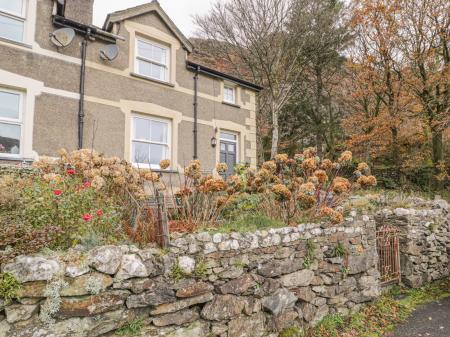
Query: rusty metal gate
x=388 y=254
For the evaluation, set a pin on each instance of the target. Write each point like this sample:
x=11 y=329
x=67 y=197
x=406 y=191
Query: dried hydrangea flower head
x=282 y=158
x=367 y=181
x=326 y=164
x=269 y=166
x=221 y=168
x=281 y=192
x=164 y=164
x=193 y=170
x=333 y=215
x=363 y=167
x=321 y=176
x=309 y=152
x=309 y=164
x=340 y=185
x=345 y=157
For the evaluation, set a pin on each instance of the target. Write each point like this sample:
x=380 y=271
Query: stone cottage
x=126 y=90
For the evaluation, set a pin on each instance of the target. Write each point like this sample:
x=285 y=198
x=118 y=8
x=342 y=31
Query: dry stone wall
x=424 y=239
x=227 y=285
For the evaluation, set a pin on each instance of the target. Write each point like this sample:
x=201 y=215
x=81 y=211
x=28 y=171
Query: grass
x=382 y=316
x=131 y=329
x=247 y=223
x=9 y=287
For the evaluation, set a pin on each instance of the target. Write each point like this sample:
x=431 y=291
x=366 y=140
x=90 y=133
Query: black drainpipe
x=81 y=103
x=195 y=110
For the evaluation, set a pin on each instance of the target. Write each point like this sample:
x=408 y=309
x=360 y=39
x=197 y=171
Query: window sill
x=17 y=43
x=231 y=104
x=15 y=159
x=152 y=80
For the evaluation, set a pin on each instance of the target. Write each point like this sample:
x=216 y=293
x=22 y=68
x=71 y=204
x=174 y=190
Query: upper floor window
x=12 y=19
x=11 y=111
x=229 y=94
x=150 y=141
x=152 y=60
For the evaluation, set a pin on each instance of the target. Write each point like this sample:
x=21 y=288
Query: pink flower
x=87 y=184
x=57 y=192
x=99 y=212
x=87 y=217
x=70 y=171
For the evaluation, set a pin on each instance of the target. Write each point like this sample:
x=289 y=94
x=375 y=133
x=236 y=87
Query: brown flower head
x=281 y=192
x=306 y=201
x=334 y=216
x=326 y=164
x=321 y=175
x=309 y=152
x=165 y=163
x=345 y=157
x=367 y=181
x=340 y=185
x=193 y=170
x=309 y=164
x=363 y=167
x=281 y=158
x=269 y=166
x=221 y=168
x=307 y=188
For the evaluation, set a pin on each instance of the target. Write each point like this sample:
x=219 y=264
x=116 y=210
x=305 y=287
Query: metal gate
x=388 y=254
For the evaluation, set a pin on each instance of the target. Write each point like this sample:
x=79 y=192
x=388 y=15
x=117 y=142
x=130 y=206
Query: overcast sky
x=180 y=11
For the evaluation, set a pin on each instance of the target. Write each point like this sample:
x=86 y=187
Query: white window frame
x=14 y=121
x=236 y=141
x=233 y=89
x=169 y=140
x=17 y=17
x=137 y=58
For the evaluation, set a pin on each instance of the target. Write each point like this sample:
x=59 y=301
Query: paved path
x=430 y=320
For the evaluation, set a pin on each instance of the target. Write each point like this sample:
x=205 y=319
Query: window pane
x=231 y=148
x=227 y=136
x=159 y=132
x=12 y=6
x=141 y=153
x=9 y=138
x=141 y=128
x=228 y=94
x=158 y=153
x=158 y=72
x=145 y=68
x=11 y=29
x=144 y=49
x=159 y=55
x=9 y=105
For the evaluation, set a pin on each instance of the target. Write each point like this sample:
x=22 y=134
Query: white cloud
x=180 y=11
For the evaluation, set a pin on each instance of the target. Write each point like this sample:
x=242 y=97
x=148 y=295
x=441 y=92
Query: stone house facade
x=147 y=104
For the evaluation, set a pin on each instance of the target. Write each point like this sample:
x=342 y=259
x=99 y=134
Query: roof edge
x=218 y=74
x=153 y=6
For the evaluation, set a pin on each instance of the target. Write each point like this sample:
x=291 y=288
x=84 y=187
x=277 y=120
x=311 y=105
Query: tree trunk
x=437 y=146
x=319 y=143
x=275 y=133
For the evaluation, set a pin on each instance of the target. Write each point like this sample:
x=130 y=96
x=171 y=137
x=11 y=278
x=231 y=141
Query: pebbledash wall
x=227 y=285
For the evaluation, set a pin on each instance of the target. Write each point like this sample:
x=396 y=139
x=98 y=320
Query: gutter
x=217 y=74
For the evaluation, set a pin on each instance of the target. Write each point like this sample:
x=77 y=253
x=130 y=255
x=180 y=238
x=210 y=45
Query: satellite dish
x=109 y=52
x=62 y=37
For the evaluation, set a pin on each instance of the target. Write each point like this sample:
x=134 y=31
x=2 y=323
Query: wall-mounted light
x=213 y=141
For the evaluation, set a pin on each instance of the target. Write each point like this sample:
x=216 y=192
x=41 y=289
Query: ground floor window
x=150 y=141
x=11 y=126
x=228 y=150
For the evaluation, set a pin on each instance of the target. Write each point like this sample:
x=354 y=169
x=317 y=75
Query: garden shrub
x=9 y=287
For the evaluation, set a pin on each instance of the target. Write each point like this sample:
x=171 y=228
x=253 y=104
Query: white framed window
x=229 y=94
x=13 y=19
x=151 y=141
x=152 y=60
x=11 y=123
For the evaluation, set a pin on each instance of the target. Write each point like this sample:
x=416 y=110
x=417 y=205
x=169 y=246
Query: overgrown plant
x=9 y=287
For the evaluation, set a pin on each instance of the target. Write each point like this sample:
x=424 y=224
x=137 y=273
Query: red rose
x=87 y=184
x=87 y=217
x=99 y=212
x=70 y=171
x=57 y=192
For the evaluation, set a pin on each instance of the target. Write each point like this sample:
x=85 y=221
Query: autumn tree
x=424 y=56
x=259 y=34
